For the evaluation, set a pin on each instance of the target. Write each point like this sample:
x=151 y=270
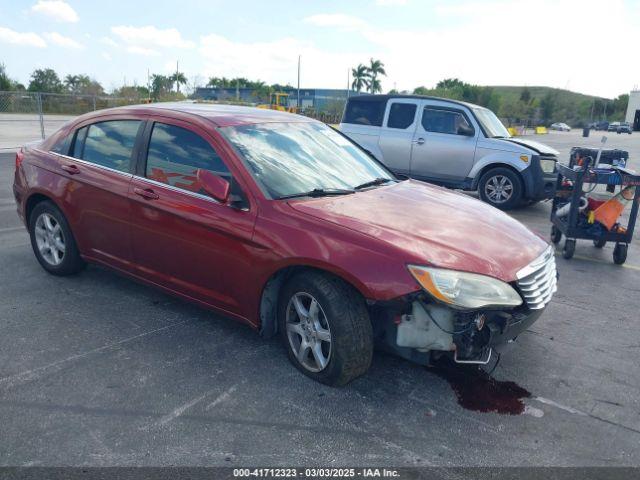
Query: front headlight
x=548 y=166
x=465 y=290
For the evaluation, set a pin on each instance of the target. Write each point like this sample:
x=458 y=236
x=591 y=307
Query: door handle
x=72 y=169
x=146 y=193
x=419 y=141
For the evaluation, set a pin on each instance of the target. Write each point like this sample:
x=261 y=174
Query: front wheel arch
x=268 y=306
x=519 y=187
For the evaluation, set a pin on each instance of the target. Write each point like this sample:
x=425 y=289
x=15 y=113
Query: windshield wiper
x=319 y=192
x=373 y=183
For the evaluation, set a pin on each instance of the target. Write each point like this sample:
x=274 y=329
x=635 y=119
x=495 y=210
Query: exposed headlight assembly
x=547 y=165
x=465 y=290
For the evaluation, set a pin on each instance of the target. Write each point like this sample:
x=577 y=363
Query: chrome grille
x=538 y=281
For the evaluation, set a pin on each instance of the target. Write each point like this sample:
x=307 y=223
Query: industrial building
x=320 y=99
x=633 y=110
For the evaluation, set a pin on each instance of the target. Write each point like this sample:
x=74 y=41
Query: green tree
x=160 y=86
x=5 y=82
x=421 y=91
x=525 y=95
x=82 y=85
x=178 y=78
x=548 y=106
x=45 y=80
x=360 y=76
x=376 y=67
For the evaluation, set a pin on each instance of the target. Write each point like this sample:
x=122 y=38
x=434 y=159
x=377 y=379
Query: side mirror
x=214 y=185
x=466 y=130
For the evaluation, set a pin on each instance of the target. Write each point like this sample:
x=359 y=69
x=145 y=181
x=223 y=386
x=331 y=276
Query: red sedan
x=283 y=223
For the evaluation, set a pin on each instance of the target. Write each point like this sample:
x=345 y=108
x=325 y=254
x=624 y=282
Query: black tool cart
x=571 y=196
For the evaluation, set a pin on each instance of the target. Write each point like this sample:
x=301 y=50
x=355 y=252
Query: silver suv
x=451 y=143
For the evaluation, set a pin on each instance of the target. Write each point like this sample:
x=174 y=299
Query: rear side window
x=62 y=145
x=109 y=144
x=365 y=112
x=443 y=121
x=175 y=154
x=78 y=142
x=401 y=115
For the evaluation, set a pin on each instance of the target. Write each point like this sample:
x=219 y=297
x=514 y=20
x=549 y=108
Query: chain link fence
x=29 y=116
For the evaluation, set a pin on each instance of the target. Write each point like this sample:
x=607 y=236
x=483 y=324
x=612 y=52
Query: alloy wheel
x=498 y=189
x=50 y=239
x=308 y=332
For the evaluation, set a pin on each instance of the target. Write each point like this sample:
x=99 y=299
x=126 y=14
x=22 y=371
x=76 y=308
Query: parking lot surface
x=98 y=370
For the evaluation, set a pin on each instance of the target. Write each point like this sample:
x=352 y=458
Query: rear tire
x=324 y=325
x=53 y=243
x=501 y=187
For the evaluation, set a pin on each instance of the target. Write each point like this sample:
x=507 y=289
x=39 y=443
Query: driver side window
x=175 y=154
x=443 y=121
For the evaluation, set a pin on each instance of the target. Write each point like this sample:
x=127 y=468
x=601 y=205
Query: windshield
x=293 y=158
x=491 y=124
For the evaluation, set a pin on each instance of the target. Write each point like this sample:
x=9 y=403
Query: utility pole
x=177 y=82
x=348 y=86
x=298 y=102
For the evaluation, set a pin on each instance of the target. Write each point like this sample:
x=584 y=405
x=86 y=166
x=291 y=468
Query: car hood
x=539 y=148
x=433 y=226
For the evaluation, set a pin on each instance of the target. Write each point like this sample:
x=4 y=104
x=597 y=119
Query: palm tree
x=360 y=77
x=376 y=67
x=178 y=78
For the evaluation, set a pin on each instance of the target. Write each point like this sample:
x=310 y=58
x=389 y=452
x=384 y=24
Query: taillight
x=19 y=158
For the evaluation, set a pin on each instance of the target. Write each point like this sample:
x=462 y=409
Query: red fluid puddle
x=480 y=392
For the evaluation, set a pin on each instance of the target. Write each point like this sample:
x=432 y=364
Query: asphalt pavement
x=98 y=370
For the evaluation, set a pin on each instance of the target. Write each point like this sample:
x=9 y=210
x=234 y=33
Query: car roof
x=387 y=97
x=221 y=115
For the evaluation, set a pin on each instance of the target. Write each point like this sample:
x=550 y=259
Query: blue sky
x=491 y=42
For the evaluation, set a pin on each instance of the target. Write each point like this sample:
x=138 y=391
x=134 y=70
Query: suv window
x=109 y=144
x=365 y=112
x=401 y=115
x=175 y=154
x=443 y=121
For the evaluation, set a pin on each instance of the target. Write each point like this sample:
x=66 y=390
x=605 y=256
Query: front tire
x=501 y=188
x=325 y=327
x=52 y=241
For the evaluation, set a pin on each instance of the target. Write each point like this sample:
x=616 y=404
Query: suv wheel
x=52 y=240
x=325 y=327
x=501 y=188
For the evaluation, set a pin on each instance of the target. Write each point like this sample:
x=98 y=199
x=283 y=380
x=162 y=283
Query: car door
x=182 y=238
x=441 y=151
x=396 y=134
x=98 y=164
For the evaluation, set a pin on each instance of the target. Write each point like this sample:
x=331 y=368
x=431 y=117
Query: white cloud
x=147 y=52
x=62 y=41
x=479 y=43
x=106 y=56
x=108 y=41
x=57 y=10
x=28 y=39
x=150 y=36
x=338 y=20
x=276 y=61
x=391 y=3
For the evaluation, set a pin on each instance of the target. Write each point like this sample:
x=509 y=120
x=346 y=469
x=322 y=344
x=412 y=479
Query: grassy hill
x=558 y=105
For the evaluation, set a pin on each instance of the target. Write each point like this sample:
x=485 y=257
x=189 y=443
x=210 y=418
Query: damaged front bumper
x=419 y=330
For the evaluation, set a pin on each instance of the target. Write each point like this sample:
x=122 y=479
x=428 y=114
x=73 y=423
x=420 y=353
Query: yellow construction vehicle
x=278 y=101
